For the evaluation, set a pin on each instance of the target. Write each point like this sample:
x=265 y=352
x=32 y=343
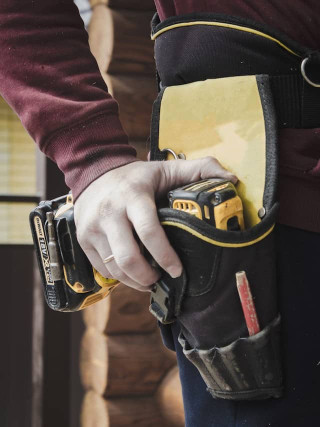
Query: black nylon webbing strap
x=310 y=106
x=297 y=103
x=287 y=91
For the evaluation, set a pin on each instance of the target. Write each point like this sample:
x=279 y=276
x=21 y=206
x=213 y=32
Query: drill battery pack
x=69 y=281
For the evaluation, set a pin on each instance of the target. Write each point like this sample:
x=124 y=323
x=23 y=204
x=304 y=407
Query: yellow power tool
x=212 y=200
x=70 y=282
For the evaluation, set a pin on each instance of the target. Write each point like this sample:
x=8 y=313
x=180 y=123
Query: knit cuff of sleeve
x=89 y=149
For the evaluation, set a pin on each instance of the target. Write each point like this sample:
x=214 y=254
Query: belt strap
x=297 y=103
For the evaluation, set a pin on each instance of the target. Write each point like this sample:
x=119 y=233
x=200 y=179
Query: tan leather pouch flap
x=224 y=118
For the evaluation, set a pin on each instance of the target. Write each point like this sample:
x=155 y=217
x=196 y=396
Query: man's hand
x=123 y=200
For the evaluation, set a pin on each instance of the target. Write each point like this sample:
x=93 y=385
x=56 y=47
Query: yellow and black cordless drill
x=213 y=200
x=70 y=282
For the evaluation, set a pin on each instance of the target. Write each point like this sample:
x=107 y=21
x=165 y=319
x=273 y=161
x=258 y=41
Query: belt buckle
x=162 y=302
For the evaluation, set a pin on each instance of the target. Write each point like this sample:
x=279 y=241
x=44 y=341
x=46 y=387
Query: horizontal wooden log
x=120 y=41
x=169 y=397
x=128 y=312
x=94 y=411
x=94 y=360
x=125 y=311
x=135 y=96
x=124 y=365
x=136 y=364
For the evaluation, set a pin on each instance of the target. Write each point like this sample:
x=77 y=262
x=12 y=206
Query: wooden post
x=121 y=41
x=135 y=96
x=94 y=412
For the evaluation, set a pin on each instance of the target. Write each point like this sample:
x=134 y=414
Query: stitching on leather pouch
x=213 y=275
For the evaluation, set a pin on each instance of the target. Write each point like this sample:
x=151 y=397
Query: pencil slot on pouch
x=246 y=369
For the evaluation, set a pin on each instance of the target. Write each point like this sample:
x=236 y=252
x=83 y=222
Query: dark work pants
x=299 y=296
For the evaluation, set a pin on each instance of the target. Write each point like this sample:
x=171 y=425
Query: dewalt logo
x=43 y=248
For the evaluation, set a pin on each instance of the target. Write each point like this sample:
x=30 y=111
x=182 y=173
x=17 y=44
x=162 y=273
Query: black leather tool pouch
x=206 y=303
x=234 y=121
x=221 y=80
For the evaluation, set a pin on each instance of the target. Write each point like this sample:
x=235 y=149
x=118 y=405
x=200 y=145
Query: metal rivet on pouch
x=261 y=212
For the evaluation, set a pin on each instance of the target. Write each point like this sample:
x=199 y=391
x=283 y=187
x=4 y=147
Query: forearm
x=52 y=81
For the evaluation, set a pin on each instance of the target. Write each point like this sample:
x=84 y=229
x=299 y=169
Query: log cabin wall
x=129 y=378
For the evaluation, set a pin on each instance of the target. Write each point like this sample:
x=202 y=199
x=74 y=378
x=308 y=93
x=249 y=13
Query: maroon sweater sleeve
x=52 y=81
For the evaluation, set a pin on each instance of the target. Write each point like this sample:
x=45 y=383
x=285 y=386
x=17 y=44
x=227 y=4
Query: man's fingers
x=180 y=172
x=143 y=215
x=97 y=262
x=129 y=262
x=211 y=165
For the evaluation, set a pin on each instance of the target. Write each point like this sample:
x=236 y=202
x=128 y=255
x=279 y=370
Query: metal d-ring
x=176 y=156
x=304 y=75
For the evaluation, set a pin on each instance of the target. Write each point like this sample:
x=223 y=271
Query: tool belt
x=225 y=86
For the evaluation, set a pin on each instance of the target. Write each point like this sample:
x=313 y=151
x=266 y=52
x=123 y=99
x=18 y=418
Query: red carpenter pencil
x=247 y=303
